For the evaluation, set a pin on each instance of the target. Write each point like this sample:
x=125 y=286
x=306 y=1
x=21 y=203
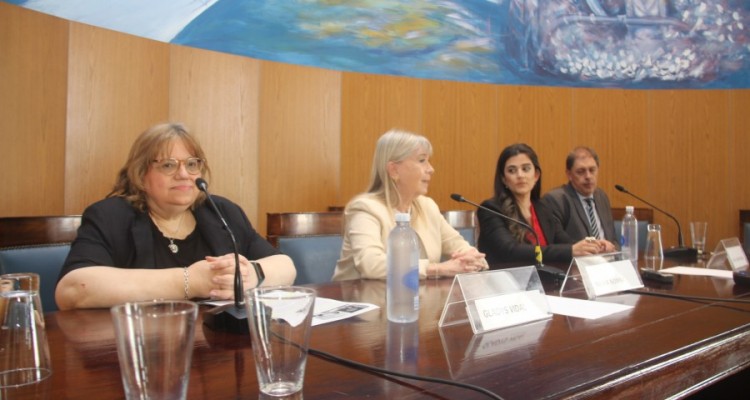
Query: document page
x=325 y=310
x=718 y=273
x=329 y=310
x=588 y=309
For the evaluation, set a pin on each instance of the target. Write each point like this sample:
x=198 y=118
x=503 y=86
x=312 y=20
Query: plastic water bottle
x=402 y=285
x=629 y=236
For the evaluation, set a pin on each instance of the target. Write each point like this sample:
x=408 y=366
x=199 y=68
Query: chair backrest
x=40 y=245
x=311 y=239
x=464 y=221
x=644 y=216
x=745 y=229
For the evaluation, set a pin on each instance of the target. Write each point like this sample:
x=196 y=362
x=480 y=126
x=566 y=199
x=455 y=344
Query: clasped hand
x=589 y=246
x=217 y=274
x=470 y=260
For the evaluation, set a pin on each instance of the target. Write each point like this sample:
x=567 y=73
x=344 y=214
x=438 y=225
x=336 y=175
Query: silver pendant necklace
x=172 y=246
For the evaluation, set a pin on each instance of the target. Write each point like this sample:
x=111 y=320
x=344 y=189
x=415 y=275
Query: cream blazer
x=367 y=224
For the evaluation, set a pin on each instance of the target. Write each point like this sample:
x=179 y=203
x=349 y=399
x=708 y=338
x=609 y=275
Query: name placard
x=731 y=250
x=510 y=309
x=495 y=299
x=610 y=277
x=737 y=258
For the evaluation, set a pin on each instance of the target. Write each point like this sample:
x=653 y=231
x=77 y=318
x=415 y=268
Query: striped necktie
x=592 y=217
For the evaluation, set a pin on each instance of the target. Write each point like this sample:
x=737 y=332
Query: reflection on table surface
x=656 y=345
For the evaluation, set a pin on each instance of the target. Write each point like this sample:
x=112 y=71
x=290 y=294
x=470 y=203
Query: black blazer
x=114 y=233
x=500 y=246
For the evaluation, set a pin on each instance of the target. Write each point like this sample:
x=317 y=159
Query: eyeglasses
x=169 y=166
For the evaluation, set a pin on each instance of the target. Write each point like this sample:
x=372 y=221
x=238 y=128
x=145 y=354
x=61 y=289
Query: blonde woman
x=401 y=175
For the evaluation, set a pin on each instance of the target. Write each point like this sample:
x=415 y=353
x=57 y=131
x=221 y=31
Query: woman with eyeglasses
x=156 y=236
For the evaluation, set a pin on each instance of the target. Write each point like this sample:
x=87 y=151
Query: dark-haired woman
x=518 y=181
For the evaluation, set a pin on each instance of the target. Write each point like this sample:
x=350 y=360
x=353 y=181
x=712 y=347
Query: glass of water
x=654 y=253
x=698 y=234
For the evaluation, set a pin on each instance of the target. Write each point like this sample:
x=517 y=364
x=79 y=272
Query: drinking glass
x=155 y=347
x=24 y=353
x=280 y=318
x=20 y=281
x=654 y=252
x=698 y=234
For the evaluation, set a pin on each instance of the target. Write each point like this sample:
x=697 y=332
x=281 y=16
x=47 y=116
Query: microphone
x=552 y=272
x=229 y=317
x=675 y=252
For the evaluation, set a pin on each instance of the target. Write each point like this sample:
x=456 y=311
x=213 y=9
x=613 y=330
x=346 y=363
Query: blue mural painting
x=582 y=43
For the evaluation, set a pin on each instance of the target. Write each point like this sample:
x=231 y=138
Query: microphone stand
x=544 y=270
x=680 y=251
x=230 y=317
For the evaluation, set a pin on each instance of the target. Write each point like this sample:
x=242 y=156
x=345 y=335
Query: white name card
x=611 y=277
x=511 y=309
x=737 y=258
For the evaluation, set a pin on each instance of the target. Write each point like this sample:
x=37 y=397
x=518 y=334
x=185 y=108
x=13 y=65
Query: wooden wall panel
x=33 y=91
x=75 y=96
x=739 y=150
x=615 y=123
x=740 y=145
x=370 y=106
x=118 y=86
x=461 y=120
x=540 y=117
x=300 y=124
x=688 y=160
x=216 y=96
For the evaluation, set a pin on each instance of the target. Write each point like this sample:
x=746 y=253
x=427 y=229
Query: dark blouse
x=502 y=248
x=190 y=249
x=114 y=233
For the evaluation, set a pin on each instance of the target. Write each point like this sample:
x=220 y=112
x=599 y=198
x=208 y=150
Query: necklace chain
x=172 y=246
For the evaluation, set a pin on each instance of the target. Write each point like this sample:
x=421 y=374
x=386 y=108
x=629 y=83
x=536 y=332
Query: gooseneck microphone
x=230 y=317
x=552 y=272
x=675 y=252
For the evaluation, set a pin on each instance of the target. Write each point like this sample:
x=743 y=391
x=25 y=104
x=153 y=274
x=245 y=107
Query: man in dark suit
x=581 y=207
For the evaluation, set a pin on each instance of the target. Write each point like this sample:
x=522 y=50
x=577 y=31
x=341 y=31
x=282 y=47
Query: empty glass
x=19 y=281
x=155 y=347
x=279 y=318
x=24 y=353
x=654 y=253
x=698 y=234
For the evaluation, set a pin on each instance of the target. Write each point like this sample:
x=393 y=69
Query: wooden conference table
x=662 y=347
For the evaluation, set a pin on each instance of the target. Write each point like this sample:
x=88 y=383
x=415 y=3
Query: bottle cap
x=629 y=209
x=403 y=217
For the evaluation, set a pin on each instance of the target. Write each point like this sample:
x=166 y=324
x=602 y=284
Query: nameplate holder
x=508 y=310
x=728 y=255
x=495 y=299
x=607 y=273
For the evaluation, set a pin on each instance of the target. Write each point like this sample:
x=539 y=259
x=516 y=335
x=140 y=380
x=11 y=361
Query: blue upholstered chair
x=464 y=221
x=644 y=216
x=311 y=239
x=40 y=245
x=744 y=230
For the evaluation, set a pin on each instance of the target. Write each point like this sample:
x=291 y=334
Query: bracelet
x=258 y=273
x=186 y=276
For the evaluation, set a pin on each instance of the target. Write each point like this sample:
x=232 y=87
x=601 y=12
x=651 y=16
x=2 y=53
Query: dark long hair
x=504 y=197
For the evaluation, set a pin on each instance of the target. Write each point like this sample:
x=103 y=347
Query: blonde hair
x=154 y=143
x=393 y=146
